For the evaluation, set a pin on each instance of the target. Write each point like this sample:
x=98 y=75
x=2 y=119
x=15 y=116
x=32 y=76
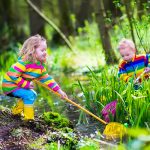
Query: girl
x=17 y=81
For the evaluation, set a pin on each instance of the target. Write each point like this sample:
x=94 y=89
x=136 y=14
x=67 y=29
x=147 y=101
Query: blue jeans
x=27 y=95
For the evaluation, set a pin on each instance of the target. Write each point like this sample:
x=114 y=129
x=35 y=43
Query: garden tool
x=112 y=129
x=28 y=112
x=18 y=108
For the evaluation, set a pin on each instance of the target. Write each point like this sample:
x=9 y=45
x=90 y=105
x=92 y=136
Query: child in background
x=132 y=65
x=17 y=81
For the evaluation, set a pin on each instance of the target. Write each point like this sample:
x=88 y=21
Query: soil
x=16 y=134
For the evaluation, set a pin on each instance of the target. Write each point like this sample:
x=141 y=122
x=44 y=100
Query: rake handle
x=73 y=103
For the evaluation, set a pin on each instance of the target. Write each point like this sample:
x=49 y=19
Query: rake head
x=114 y=130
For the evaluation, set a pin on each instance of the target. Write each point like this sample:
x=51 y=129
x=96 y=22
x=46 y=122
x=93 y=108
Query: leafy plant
x=55 y=119
x=133 y=106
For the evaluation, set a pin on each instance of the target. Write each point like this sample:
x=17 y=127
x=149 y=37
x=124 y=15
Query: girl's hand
x=147 y=70
x=31 y=86
x=62 y=93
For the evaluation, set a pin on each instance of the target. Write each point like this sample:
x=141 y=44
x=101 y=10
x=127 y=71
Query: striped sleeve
x=15 y=73
x=122 y=74
x=48 y=80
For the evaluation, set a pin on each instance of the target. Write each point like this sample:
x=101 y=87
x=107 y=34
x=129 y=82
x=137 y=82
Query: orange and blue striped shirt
x=128 y=71
x=22 y=73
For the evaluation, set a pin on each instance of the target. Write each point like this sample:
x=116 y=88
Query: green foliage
x=137 y=132
x=68 y=139
x=141 y=29
x=88 y=38
x=133 y=106
x=56 y=120
x=38 y=144
x=140 y=139
x=142 y=33
x=88 y=144
x=55 y=146
x=64 y=138
x=7 y=59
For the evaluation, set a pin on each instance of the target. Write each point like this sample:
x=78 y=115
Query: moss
x=67 y=130
x=56 y=120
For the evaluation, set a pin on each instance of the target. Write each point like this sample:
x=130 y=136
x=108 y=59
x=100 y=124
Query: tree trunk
x=8 y=24
x=130 y=17
x=140 y=8
x=110 y=7
x=36 y=22
x=84 y=12
x=65 y=24
x=104 y=34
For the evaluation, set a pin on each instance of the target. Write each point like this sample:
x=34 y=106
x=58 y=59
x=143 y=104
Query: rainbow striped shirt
x=23 y=72
x=128 y=71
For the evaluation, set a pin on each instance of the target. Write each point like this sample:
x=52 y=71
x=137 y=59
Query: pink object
x=109 y=109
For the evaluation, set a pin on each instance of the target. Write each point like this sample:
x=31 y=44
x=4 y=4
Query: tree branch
x=51 y=24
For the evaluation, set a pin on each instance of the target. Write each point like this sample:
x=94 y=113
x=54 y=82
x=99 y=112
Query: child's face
x=40 y=52
x=127 y=53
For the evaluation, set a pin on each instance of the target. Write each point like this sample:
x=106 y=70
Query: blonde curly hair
x=27 y=52
x=126 y=42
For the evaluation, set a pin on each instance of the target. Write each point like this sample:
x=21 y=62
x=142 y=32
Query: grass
x=133 y=106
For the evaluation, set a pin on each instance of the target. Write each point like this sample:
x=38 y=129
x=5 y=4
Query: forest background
x=82 y=37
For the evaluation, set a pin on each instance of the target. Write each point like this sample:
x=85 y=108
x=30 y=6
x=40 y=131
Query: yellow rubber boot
x=28 y=112
x=17 y=110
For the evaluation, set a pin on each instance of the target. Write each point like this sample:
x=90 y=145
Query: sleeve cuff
x=27 y=85
x=56 y=88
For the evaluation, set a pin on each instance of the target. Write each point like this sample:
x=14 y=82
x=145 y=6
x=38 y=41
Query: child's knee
x=34 y=94
x=30 y=98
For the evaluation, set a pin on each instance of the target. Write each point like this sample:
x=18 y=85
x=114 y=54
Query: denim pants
x=27 y=95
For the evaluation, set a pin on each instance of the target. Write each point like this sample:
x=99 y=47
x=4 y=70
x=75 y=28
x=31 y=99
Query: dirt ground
x=16 y=134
